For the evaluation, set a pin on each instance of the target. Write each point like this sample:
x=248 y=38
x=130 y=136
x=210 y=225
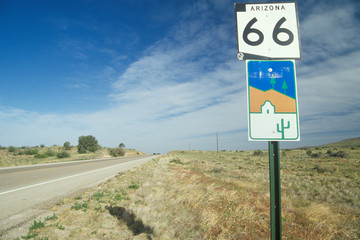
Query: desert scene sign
x=272 y=101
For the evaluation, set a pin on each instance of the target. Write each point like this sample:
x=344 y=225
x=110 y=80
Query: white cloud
x=328 y=75
x=330 y=31
x=186 y=87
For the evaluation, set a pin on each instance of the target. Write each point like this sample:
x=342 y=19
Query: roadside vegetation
x=209 y=195
x=87 y=148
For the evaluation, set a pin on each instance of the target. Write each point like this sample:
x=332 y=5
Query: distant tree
x=67 y=145
x=87 y=143
x=273 y=82
x=42 y=145
x=11 y=149
x=121 y=145
x=284 y=86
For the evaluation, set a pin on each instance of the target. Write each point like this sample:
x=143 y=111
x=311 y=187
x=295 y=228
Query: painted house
x=267 y=108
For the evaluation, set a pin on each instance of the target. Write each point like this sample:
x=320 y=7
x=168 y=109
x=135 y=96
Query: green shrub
x=12 y=149
x=36 y=225
x=30 y=235
x=41 y=155
x=339 y=154
x=77 y=206
x=258 y=153
x=323 y=169
x=63 y=155
x=133 y=185
x=98 y=196
x=33 y=151
x=53 y=217
x=309 y=152
x=50 y=153
x=116 y=152
x=176 y=160
x=119 y=197
x=81 y=150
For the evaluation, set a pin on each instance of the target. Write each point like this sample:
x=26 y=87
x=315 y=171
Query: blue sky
x=163 y=75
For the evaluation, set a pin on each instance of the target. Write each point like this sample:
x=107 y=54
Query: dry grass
x=208 y=195
x=19 y=158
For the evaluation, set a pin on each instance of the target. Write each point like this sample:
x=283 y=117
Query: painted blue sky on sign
x=260 y=74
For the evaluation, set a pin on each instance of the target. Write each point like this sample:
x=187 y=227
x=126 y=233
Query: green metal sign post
x=275 y=189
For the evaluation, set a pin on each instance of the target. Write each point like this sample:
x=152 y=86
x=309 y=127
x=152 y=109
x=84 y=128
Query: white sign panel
x=267 y=30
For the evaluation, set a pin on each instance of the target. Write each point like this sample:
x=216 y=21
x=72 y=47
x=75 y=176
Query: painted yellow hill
x=281 y=102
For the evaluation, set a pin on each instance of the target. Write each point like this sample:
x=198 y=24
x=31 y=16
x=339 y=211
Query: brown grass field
x=209 y=195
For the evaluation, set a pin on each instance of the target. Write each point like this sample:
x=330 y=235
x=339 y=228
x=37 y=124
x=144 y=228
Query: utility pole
x=217 y=143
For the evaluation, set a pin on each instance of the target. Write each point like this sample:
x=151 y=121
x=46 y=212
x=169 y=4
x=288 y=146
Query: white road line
x=64 y=178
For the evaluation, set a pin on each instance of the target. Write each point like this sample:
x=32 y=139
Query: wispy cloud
x=187 y=86
x=330 y=30
x=328 y=74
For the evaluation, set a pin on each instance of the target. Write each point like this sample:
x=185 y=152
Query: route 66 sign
x=267 y=31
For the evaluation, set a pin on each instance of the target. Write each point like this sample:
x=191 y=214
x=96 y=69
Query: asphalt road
x=26 y=191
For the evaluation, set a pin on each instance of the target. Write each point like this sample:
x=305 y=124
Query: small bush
x=119 y=197
x=98 y=196
x=216 y=170
x=339 y=154
x=81 y=150
x=37 y=225
x=41 y=155
x=309 y=152
x=133 y=185
x=31 y=151
x=30 y=235
x=323 y=169
x=77 y=206
x=53 y=217
x=176 y=160
x=116 y=152
x=258 y=153
x=50 y=153
x=11 y=149
x=63 y=155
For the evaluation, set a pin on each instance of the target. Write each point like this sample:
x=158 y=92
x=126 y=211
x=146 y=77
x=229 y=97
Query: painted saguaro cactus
x=282 y=130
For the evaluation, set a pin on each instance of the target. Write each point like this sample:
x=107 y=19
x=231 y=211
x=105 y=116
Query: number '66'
x=277 y=30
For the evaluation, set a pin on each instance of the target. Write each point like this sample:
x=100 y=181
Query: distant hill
x=352 y=142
